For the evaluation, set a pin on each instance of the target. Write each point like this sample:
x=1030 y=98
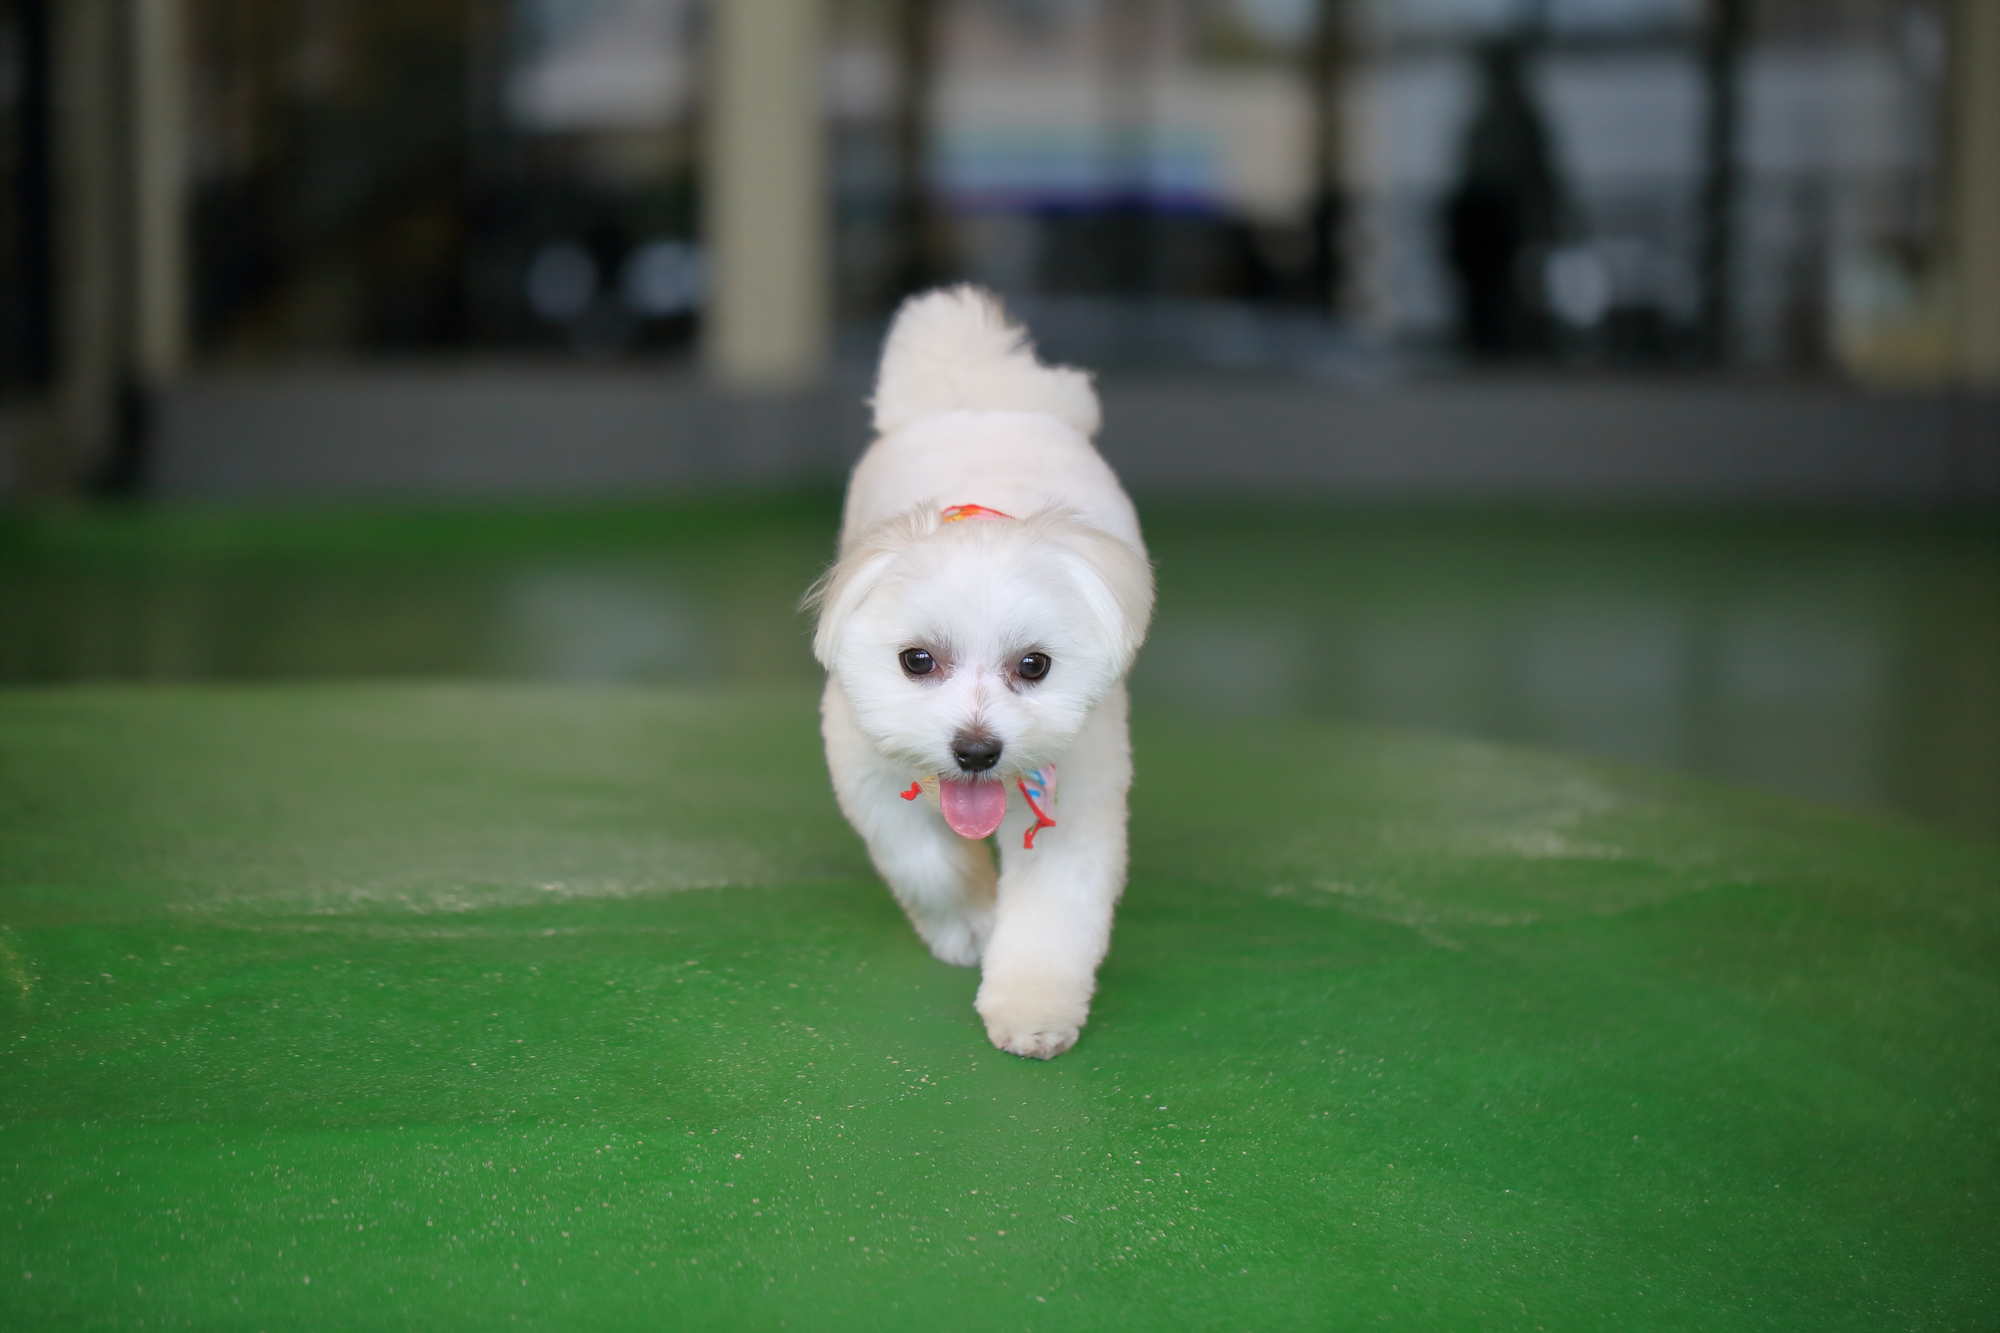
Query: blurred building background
x=1712 y=287
x=1344 y=194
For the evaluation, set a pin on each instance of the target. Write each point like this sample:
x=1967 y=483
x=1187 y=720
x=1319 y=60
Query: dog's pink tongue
x=973 y=809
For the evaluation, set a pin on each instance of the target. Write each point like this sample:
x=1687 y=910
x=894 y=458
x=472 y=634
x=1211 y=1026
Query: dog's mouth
x=973 y=809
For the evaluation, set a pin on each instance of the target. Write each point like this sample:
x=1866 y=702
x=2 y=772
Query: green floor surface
x=387 y=1007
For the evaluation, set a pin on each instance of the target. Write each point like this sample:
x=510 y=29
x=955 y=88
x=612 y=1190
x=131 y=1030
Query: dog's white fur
x=965 y=414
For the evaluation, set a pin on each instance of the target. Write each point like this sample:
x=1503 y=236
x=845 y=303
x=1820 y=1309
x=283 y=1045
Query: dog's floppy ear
x=1116 y=580
x=854 y=575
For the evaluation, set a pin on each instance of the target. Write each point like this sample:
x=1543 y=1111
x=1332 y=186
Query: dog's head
x=978 y=648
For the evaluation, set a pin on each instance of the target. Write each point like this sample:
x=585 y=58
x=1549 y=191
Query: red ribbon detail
x=1042 y=819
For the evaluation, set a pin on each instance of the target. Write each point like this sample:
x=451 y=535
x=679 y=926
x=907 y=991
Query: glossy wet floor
x=349 y=1006
x=1850 y=658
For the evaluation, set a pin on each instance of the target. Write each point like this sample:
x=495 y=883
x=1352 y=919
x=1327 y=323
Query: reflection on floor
x=1842 y=659
x=1852 y=659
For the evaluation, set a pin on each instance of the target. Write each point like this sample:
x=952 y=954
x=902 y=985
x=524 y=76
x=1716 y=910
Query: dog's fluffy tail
x=954 y=348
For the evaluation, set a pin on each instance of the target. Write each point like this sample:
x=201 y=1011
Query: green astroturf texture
x=393 y=1007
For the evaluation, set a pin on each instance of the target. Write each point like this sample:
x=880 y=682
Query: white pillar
x=158 y=56
x=765 y=223
x=1976 y=189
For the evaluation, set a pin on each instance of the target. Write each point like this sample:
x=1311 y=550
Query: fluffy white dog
x=990 y=593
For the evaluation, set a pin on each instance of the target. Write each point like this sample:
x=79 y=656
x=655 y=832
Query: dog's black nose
x=976 y=753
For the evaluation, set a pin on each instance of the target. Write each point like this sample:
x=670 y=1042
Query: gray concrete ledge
x=1664 y=439
x=492 y=429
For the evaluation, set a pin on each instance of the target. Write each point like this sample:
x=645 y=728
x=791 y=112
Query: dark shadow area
x=1503 y=214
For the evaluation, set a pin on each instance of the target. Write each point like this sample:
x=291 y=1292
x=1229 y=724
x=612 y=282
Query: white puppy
x=989 y=596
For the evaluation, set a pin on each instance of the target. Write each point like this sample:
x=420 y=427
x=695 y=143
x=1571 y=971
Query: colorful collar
x=1038 y=789
x=959 y=513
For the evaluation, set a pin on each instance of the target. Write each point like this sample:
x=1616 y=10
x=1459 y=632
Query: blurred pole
x=1326 y=72
x=765 y=220
x=1727 y=28
x=921 y=261
x=30 y=200
x=118 y=268
x=151 y=304
x=1127 y=33
x=158 y=56
x=1975 y=147
x=69 y=441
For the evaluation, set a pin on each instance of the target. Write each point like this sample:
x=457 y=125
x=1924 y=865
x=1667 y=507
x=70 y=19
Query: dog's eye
x=917 y=662
x=1034 y=666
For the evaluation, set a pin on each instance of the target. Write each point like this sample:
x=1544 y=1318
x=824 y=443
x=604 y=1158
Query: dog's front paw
x=1040 y=1021
x=1036 y=1043
x=958 y=944
x=958 y=940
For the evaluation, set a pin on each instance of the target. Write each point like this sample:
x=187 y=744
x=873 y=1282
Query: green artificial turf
x=385 y=1007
